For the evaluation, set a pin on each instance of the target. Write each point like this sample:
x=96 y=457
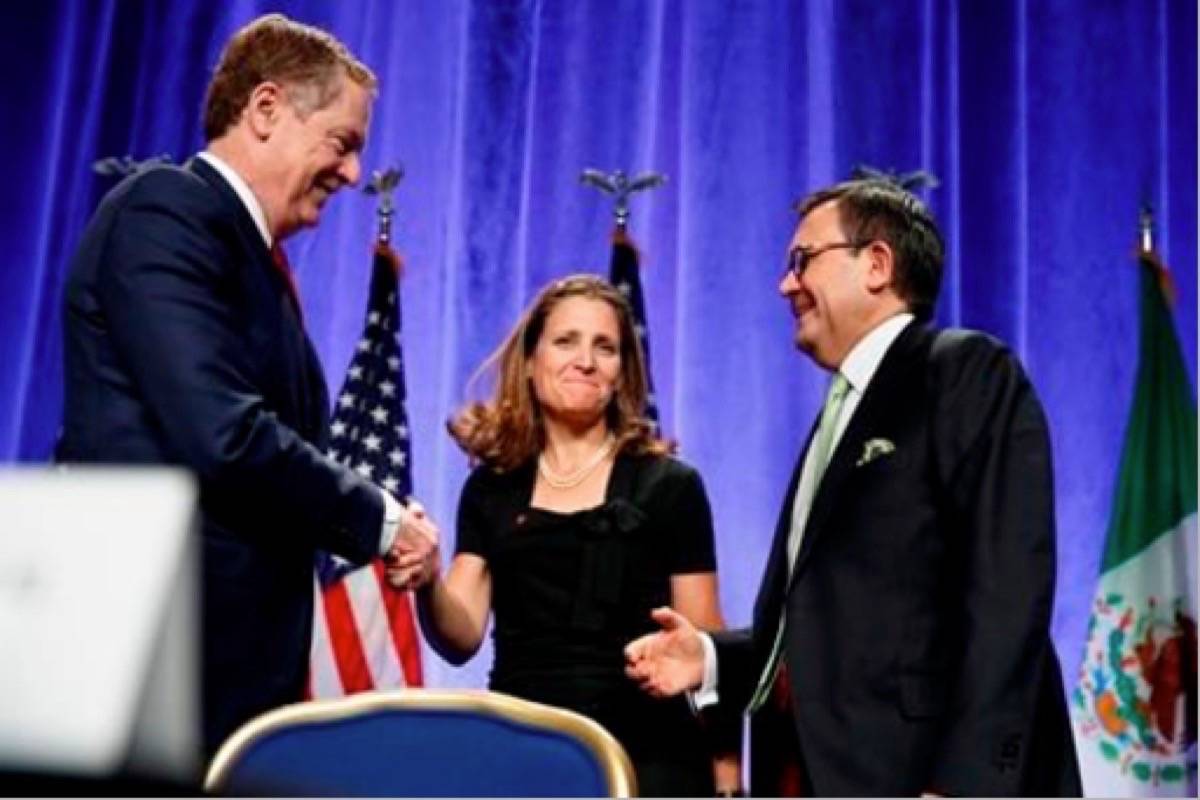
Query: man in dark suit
x=185 y=346
x=900 y=642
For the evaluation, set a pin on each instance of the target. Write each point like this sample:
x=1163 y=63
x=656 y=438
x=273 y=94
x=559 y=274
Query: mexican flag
x=1134 y=708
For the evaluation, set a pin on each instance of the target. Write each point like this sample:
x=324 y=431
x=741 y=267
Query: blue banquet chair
x=422 y=742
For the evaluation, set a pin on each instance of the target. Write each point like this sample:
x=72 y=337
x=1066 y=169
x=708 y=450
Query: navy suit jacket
x=183 y=347
x=918 y=613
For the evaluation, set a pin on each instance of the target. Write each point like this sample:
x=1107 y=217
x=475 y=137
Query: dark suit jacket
x=183 y=347
x=918 y=614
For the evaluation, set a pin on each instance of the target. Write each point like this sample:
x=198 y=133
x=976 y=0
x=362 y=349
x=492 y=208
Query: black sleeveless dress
x=569 y=591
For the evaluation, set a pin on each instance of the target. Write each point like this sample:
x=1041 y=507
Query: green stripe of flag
x=1156 y=486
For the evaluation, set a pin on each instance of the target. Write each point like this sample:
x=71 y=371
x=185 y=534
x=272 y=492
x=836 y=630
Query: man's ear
x=881 y=265
x=264 y=109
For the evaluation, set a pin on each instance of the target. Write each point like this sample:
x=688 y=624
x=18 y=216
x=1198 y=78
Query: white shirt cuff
x=706 y=694
x=393 y=517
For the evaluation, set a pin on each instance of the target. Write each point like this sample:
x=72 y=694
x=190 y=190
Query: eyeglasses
x=800 y=257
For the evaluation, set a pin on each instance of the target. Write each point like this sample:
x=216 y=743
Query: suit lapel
x=884 y=387
x=307 y=390
x=250 y=237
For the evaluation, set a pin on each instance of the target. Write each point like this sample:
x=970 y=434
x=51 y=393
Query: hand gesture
x=415 y=558
x=669 y=661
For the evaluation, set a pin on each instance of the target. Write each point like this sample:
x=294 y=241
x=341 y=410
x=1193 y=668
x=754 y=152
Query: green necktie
x=822 y=449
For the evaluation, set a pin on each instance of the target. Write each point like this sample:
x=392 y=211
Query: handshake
x=414 y=559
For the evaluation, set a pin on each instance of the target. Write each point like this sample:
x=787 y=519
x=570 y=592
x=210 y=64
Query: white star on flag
x=363 y=346
x=396 y=457
x=379 y=414
x=364 y=469
x=387 y=388
x=355 y=372
x=338 y=428
x=371 y=442
x=346 y=401
x=393 y=363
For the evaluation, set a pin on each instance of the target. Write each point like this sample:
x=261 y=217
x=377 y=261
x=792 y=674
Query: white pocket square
x=873 y=449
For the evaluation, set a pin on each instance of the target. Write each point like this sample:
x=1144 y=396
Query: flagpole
x=1147 y=255
x=1146 y=228
x=624 y=271
x=621 y=187
x=383 y=183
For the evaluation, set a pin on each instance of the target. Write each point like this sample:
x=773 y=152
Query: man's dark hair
x=306 y=61
x=873 y=209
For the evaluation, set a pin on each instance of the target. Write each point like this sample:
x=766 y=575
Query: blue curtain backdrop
x=1048 y=122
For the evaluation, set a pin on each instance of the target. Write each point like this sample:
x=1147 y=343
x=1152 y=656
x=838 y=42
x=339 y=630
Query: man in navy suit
x=901 y=637
x=185 y=346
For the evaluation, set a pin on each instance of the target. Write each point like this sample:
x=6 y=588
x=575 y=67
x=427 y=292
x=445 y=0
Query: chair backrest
x=423 y=742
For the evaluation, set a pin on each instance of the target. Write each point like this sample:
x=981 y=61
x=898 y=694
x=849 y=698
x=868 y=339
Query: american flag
x=364 y=633
x=625 y=274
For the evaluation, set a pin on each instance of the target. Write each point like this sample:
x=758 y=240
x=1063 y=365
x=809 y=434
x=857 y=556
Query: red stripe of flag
x=400 y=621
x=345 y=642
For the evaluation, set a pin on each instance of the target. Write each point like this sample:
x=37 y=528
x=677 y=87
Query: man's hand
x=669 y=661
x=415 y=558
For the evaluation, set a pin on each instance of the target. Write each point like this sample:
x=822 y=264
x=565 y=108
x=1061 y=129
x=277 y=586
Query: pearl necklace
x=572 y=479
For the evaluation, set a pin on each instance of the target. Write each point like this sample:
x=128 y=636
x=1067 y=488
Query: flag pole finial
x=383 y=183
x=1146 y=228
x=123 y=166
x=908 y=181
x=1147 y=255
x=621 y=187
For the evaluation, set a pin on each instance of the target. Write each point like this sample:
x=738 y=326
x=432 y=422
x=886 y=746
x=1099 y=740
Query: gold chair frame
x=609 y=754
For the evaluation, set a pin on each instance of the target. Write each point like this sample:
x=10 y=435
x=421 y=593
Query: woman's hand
x=415 y=559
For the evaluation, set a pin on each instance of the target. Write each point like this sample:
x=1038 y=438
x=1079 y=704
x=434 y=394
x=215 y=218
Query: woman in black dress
x=573 y=526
